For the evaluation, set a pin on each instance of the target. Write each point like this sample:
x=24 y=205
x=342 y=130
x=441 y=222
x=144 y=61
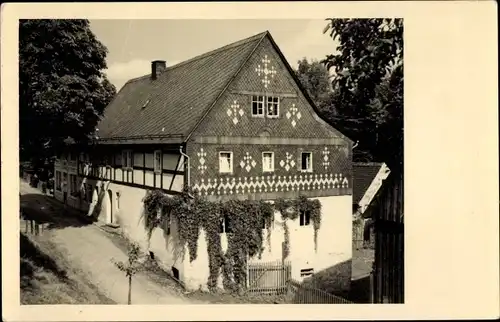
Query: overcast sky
x=133 y=44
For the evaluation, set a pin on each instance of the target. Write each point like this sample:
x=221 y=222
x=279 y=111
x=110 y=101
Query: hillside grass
x=49 y=279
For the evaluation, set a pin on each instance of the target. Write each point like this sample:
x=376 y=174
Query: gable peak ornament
x=265 y=71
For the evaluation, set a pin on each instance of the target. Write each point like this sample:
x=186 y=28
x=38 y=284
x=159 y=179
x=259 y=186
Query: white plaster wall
x=198 y=271
x=335 y=235
x=129 y=216
x=167 y=249
x=334 y=244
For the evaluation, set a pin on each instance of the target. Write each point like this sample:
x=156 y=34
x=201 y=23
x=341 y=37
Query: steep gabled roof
x=170 y=106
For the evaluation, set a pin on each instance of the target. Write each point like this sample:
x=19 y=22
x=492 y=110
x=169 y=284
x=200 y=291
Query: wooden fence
x=269 y=277
x=297 y=293
x=32 y=227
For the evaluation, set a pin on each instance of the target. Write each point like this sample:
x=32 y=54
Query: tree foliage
x=315 y=79
x=62 y=89
x=131 y=267
x=368 y=86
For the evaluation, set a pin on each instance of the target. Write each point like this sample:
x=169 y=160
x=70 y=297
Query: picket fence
x=297 y=293
x=276 y=278
x=269 y=277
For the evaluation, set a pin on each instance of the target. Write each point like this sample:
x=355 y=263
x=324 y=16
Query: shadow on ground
x=333 y=280
x=360 y=290
x=49 y=279
x=37 y=258
x=44 y=210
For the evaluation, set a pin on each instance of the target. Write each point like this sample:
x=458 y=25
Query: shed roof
x=363 y=174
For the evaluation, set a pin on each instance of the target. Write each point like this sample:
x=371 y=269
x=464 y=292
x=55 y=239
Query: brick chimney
x=157 y=67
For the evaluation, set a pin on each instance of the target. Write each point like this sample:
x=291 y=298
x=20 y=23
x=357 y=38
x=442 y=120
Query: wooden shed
x=388 y=268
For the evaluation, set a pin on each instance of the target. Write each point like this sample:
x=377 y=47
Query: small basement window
x=306 y=272
x=225 y=162
x=306 y=162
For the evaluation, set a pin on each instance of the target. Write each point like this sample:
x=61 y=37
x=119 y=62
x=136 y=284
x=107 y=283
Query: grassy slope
x=50 y=280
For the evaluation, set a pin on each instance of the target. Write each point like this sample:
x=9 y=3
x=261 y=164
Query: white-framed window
x=225 y=162
x=267 y=161
x=273 y=107
x=306 y=162
x=127 y=159
x=305 y=218
x=157 y=161
x=306 y=272
x=225 y=225
x=265 y=105
x=258 y=105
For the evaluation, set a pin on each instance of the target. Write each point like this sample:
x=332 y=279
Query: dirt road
x=89 y=248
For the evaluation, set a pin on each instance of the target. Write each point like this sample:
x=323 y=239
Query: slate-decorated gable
x=231 y=127
x=331 y=173
x=264 y=74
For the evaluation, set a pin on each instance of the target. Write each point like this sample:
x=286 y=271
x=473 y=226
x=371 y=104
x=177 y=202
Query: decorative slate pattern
x=293 y=115
x=296 y=119
x=326 y=157
x=202 y=166
x=270 y=183
x=248 y=175
x=288 y=162
x=235 y=112
x=265 y=71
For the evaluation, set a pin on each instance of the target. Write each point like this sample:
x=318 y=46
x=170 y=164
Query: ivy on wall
x=246 y=220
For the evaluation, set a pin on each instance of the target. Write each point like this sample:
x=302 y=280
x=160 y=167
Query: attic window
x=145 y=104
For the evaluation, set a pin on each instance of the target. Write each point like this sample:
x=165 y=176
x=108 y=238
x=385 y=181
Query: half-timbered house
x=231 y=123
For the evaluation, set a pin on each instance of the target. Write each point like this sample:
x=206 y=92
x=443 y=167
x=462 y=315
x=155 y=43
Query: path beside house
x=88 y=248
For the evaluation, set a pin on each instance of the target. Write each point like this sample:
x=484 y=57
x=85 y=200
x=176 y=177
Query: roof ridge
x=208 y=53
x=218 y=50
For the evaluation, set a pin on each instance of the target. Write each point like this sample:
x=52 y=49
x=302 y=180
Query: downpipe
x=188 y=170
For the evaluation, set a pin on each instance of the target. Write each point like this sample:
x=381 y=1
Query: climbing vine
x=243 y=222
x=313 y=208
